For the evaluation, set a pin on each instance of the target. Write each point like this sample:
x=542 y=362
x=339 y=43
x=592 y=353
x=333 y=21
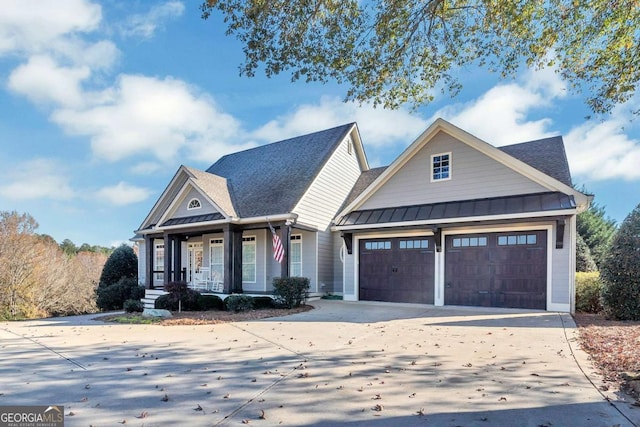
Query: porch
x=219 y=259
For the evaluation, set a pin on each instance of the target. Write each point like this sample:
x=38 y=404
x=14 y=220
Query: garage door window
x=414 y=244
x=378 y=245
x=517 y=239
x=468 y=242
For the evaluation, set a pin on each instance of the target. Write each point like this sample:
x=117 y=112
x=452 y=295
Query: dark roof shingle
x=271 y=179
x=547 y=155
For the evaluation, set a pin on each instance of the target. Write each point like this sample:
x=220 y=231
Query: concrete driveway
x=352 y=364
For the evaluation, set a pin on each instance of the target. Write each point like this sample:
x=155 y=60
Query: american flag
x=278 y=249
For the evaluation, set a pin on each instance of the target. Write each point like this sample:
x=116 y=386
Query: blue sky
x=101 y=102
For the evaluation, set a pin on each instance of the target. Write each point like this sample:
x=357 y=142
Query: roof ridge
x=282 y=141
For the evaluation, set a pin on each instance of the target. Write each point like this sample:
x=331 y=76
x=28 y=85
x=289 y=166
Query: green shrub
x=588 y=289
x=290 y=292
x=238 y=303
x=180 y=296
x=165 y=302
x=123 y=262
x=210 y=302
x=262 y=302
x=133 y=306
x=112 y=297
x=621 y=271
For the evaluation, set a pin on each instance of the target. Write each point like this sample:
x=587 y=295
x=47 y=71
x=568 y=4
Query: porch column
x=237 y=261
x=177 y=258
x=227 y=259
x=168 y=257
x=149 y=258
x=285 y=237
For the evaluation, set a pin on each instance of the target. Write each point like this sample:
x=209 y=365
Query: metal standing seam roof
x=528 y=203
x=193 y=219
x=271 y=179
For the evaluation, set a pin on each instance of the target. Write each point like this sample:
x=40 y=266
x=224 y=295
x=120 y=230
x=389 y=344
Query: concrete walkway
x=342 y=363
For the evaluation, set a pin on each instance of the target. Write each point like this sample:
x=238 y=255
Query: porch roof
x=193 y=219
x=511 y=205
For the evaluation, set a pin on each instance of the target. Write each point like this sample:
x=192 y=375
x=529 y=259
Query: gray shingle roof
x=365 y=178
x=271 y=179
x=547 y=155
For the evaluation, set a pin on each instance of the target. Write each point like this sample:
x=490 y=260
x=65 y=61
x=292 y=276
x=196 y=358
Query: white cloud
x=43 y=81
x=601 y=150
x=37 y=179
x=123 y=194
x=152 y=117
x=31 y=26
x=146 y=168
x=500 y=115
x=145 y=25
x=378 y=126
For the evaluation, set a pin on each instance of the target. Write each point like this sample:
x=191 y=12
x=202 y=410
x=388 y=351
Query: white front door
x=194 y=259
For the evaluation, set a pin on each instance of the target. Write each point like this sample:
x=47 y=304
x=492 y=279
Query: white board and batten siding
x=320 y=204
x=474 y=175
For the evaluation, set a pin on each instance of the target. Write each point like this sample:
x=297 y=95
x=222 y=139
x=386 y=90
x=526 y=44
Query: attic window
x=349 y=145
x=440 y=167
x=194 y=204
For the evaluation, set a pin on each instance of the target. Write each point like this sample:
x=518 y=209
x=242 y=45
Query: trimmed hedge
x=290 y=292
x=210 y=302
x=621 y=271
x=239 y=303
x=262 y=302
x=112 y=297
x=180 y=296
x=133 y=306
x=588 y=289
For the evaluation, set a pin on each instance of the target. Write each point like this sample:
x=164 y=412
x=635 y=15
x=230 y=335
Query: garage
x=399 y=269
x=497 y=269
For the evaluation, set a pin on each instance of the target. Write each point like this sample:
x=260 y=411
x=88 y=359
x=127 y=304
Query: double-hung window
x=249 y=259
x=296 y=255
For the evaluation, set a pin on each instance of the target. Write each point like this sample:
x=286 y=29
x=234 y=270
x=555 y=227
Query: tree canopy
x=395 y=52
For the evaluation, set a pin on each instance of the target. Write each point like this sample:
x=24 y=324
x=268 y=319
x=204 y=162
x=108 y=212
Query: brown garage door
x=397 y=269
x=497 y=270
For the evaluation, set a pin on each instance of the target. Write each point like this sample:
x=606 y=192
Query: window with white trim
x=349 y=145
x=249 y=259
x=440 y=167
x=216 y=259
x=159 y=261
x=194 y=204
x=296 y=255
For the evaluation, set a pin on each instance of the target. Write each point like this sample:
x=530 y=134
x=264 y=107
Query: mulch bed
x=614 y=347
x=214 y=316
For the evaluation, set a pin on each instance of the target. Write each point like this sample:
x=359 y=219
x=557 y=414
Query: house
x=452 y=221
